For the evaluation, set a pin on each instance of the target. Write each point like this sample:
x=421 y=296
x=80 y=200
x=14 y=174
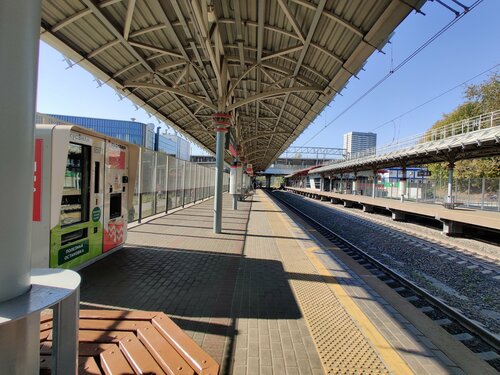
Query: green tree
x=486 y=95
x=480 y=98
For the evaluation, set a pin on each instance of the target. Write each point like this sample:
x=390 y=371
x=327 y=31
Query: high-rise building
x=356 y=143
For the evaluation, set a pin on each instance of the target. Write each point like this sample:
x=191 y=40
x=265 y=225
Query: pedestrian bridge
x=467 y=139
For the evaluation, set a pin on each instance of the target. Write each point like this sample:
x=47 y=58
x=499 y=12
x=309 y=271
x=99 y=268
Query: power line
x=400 y=65
x=434 y=98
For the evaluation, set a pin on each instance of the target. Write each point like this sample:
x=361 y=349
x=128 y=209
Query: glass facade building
x=358 y=142
x=183 y=148
x=129 y=131
x=167 y=145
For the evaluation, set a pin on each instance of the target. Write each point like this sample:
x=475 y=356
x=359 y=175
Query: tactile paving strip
x=342 y=347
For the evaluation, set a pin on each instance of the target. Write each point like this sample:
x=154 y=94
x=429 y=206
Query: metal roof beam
x=240 y=78
x=260 y=47
x=272 y=93
x=96 y=11
x=261 y=135
x=307 y=42
x=312 y=70
x=283 y=52
x=205 y=41
x=276 y=68
x=156 y=49
x=107 y=3
x=102 y=48
x=239 y=40
x=289 y=34
x=171 y=90
x=65 y=22
x=128 y=18
x=147 y=30
x=292 y=20
x=332 y=16
x=171 y=33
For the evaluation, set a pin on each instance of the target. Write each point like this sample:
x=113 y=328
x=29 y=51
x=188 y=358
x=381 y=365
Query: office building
x=129 y=131
x=356 y=143
x=183 y=147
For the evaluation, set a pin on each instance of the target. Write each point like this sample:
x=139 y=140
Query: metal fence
x=165 y=182
x=475 y=193
x=484 y=121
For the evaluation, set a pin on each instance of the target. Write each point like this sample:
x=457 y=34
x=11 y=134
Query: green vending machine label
x=73 y=251
x=96 y=214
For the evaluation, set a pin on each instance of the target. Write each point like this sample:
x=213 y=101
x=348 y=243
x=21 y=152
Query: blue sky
x=468 y=48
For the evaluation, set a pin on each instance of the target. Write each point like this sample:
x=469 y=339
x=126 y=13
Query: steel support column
x=449 y=198
x=233 y=184
x=242 y=186
x=219 y=170
x=402 y=184
x=355 y=184
x=374 y=182
x=19 y=38
x=222 y=122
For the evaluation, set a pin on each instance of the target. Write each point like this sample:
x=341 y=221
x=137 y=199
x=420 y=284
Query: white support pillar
x=222 y=122
x=449 y=198
x=235 y=182
x=402 y=184
x=354 y=189
x=19 y=38
x=322 y=183
x=243 y=185
x=374 y=183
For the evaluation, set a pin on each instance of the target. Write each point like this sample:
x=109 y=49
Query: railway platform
x=453 y=219
x=268 y=296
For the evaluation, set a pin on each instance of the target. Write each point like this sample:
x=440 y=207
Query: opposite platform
x=459 y=215
x=262 y=297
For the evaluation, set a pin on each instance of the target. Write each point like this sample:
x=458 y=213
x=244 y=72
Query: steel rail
x=482 y=333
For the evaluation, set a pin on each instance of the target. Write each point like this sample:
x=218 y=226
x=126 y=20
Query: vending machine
x=83 y=188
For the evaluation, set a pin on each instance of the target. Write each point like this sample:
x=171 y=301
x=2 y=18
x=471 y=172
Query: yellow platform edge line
x=387 y=352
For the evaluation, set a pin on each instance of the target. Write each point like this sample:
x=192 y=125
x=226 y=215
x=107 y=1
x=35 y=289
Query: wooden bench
x=130 y=342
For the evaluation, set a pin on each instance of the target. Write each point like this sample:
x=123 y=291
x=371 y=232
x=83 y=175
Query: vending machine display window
x=115 y=205
x=75 y=198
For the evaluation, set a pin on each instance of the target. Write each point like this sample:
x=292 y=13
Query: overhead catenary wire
x=399 y=66
x=434 y=98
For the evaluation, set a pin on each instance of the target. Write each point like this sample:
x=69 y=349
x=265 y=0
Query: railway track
x=479 y=340
x=469 y=258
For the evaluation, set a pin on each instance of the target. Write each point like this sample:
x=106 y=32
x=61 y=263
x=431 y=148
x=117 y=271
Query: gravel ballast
x=453 y=269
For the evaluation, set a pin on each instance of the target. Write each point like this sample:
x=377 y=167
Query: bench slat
x=168 y=358
x=192 y=353
x=117 y=315
x=113 y=362
x=138 y=356
x=111 y=325
x=100 y=336
x=88 y=366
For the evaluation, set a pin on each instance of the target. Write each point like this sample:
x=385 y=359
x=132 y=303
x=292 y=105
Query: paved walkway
x=258 y=297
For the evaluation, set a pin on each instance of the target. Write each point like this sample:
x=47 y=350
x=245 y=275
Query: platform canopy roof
x=272 y=64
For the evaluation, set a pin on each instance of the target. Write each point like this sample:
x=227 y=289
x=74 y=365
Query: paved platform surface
x=486 y=219
x=262 y=297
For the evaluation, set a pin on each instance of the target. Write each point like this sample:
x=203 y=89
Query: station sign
x=424 y=173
